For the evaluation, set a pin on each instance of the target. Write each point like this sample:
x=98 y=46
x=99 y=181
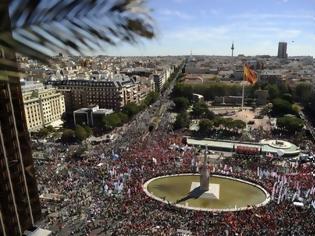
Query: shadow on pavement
x=195 y=193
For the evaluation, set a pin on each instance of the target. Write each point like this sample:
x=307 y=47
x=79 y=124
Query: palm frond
x=43 y=28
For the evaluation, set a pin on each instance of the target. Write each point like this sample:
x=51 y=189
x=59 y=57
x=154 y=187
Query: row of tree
x=201 y=111
x=44 y=132
x=290 y=124
x=80 y=133
x=117 y=119
x=212 y=89
x=286 y=96
x=171 y=78
x=283 y=106
x=207 y=125
x=208 y=90
x=182 y=120
x=285 y=99
x=305 y=94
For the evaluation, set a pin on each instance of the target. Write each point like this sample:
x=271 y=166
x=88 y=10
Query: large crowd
x=102 y=194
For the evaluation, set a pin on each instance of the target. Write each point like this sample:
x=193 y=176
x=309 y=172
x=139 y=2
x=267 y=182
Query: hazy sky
x=210 y=26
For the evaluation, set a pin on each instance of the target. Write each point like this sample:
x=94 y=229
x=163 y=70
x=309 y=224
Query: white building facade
x=43 y=106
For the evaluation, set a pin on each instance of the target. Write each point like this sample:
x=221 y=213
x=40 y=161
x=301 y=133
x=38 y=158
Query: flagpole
x=243 y=94
x=250 y=76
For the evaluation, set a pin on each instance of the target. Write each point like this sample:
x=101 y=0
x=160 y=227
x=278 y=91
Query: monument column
x=204 y=173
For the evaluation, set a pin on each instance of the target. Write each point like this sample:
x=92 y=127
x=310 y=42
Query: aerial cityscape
x=102 y=136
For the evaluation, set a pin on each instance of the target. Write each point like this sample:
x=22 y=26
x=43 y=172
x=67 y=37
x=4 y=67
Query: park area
x=250 y=116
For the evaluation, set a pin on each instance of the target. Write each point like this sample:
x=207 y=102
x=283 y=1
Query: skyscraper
x=19 y=200
x=282 y=50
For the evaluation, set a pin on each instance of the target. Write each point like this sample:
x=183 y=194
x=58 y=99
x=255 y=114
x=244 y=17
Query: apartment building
x=43 y=106
x=106 y=93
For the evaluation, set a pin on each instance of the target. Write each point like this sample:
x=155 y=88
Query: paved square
x=212 y=193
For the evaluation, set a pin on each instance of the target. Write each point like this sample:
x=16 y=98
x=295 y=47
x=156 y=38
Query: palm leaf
x=43 y=28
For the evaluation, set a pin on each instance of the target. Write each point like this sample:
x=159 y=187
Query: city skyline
x=208 y=28
x=212 y=120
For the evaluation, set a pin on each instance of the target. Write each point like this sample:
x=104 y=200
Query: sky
x=208 y=27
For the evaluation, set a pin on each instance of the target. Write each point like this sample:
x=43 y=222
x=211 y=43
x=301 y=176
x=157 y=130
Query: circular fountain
x=224 y=193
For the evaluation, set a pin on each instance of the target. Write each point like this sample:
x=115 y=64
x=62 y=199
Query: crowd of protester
x=103 y=193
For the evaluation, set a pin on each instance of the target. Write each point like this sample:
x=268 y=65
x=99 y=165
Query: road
x=308 y=124
x=139 y=126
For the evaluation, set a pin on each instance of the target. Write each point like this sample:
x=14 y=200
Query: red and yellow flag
x=249 y=74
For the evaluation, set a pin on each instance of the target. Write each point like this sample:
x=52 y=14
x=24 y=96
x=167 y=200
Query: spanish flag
x=249 y=74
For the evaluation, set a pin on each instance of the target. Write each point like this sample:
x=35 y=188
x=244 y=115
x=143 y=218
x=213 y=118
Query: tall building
x=282 y=50
x=43 y=106
x=19 y=200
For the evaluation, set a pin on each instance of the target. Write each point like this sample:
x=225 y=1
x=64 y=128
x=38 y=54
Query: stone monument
x=206 y=190
x=204 y=173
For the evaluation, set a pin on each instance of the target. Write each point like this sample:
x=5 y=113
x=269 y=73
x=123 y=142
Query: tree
x=205 y=126
x=43 y=132
x=123 y=118
x=151 y=98
x=50 y=129
x=80 y=133
x=182 y=121
x=112 y=121
x=238 y=124
x=210 y=115
x=200 y=110
x=219 y=121
x=183 y=90
x=131 y=109
x=290 y=124
x=283 y=88
x=281 y=107
x=311 y=105
x=296 y=108
x=212 y=89
x=303 y=92
x=266 y=109
x=88 y=130
x=68 y=135
x=209 y=90
x=273 y=91
x=181 y=104
x=228 y=123
x=288 y=97
x=71 y=27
